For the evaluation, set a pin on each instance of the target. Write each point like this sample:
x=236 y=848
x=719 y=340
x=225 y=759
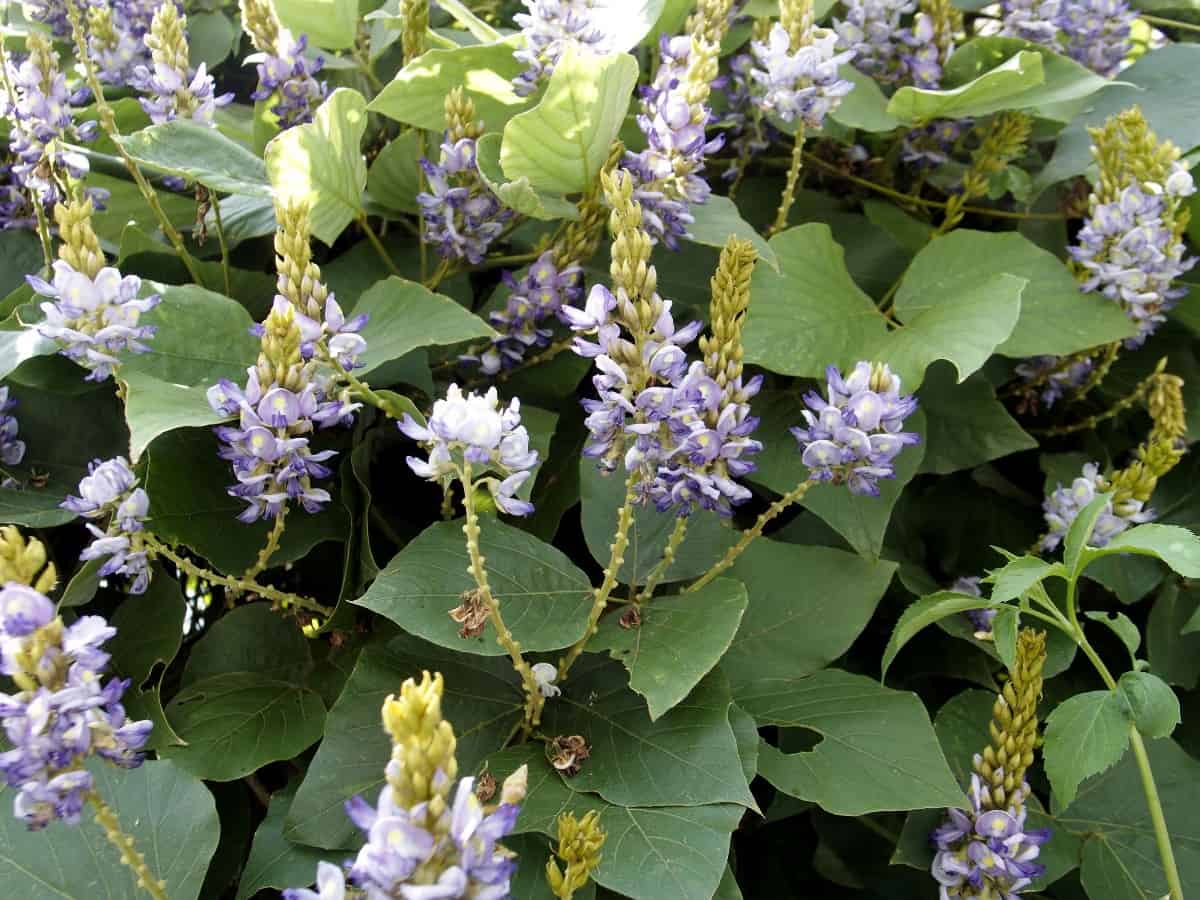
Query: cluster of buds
x=307 y=347
x=174 y=90
x=462 y=216
x=40 y=110
x=988 y=851
x=94 y=310
x=62 y=711
x=578 y=851
x=853 y=435
x=551 y=28
x=469 y=433
x=284 y=72
x=110 y=491
x=429 y=835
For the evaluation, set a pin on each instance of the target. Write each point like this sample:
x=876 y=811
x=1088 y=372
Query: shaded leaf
x=1085 y=735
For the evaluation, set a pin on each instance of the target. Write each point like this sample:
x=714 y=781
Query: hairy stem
x=130 y=855
x=534 y=701
x=789 y=190
x=216 y=208
x=272 y=545
x=668 y=557
x=378 y=245
x=731 y=555
x=611 y=572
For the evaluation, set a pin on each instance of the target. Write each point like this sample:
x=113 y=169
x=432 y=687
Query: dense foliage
x=664 y=449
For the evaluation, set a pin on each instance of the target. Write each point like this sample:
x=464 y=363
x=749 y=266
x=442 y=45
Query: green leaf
x=877 y=752
x=18 y=343
x=320 y=163
x=125 y=204
x=169 y=814
x=275 y=862
x=990 y=92
x=32 y=508
x=154 y=407
x=666 y=852
x=923 y=613
x=794 y=628
x=544 y=598
x=862 y=520
x=394 y=177
x=1085 y=735
x=212 y=37
x=717 y=219
x=561 y=144
x=149 y=628
x=966 y=424
x=810 y=314
x=1153 y=705
x=1075 y=555
x=417 y=95
x=250 y=638
x=187 y=482
x=679 y=641
x=912 y=234
x=964 y=327
x=482 y=698
x=1011 y=581
x=1055 y=318
x=1152 y=84
x=864 y=108
x=1122 y=626
x=236 y=723
x=688 y=757
x=707 y=540
x=1120 y=857
x=1176 y=546
x=405 y=315
x=518 y=195
x=199 y=153
x=1064 y=83
x=625 y=24
x=1174 y=651
x=475 y=26
x=20 y=254
x=332 y=24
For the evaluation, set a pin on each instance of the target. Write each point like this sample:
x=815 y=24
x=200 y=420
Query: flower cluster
x=428 y=836
x=928 y=146
x=41 y=112
x=550 y=28
x=110 y=489
x=175 y=90
x=290 y=76
x=117 y=38
x=93 y=318
x=747 y=132
x=462 y=215
x=986 y=852
x=1130 y=252
x=800 y=82
x=1054 y=378
x=674 y=118
x=1095 y=33
x=279 y=408
x=62 y=712
x=51 y=13
x=854 y=435
x=12 y=448
x=1065 y=503
x=886 y=50
x=1032 y=20
x=533 y=304
x=467 y=430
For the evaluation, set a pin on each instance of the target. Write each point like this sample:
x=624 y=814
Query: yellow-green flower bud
x=415 y=14
x=299 y=278
x=710 y=20
x=460 y=117
x=796 y=17
x=423 y=765
x=261 y=23
x=579 y=844
x=24 y=561
x=80 y=248
x=167 y=38
x=730 y=300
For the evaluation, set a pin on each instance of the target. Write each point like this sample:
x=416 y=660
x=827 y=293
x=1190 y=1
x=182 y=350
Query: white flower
x=545 y=675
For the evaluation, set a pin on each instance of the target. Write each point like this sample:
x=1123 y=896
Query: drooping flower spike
x=471 y=430
x=853 y=435
x=551 y=28
x=174 y=89
x=285 y=73
x=110 y=491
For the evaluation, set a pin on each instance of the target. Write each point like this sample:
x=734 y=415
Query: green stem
x=378 y=245
x=1168 y=23
x=283 y=598
x=272 y=545
x=439 y=274
x=611 y=572
x=421 y=184
x=534 y=701
x=216 y=208
x=1162 y=837
x=668 y=557
x=130 y=855
x=789 y=190
x=363 y=58
x=108 y=122
x=795 y=494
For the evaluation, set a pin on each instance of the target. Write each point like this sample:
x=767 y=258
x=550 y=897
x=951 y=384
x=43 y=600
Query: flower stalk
x=124 y=843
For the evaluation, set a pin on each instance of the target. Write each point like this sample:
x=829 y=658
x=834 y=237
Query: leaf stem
x=378 y=244
x=108 y=122
x=272 y=545
x=794 y=495
x=668 y=557
x=130 y=855
x=1162 y=837
x=789 y=190
x=534 y=701
x=1168 y=23
x=611 y=572
x=283 y=598
x=216 y=208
